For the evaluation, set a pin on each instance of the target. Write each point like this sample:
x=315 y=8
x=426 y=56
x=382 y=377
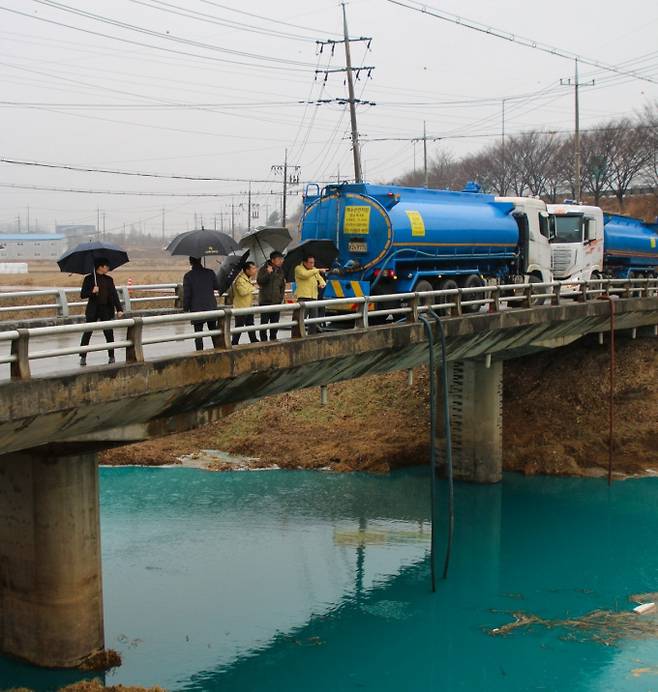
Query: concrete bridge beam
x=51 y=608
x=476 y=412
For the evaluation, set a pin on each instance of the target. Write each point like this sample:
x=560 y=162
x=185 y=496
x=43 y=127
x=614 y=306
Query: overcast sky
x=218 y=95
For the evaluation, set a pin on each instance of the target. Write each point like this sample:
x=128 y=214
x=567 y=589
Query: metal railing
x=63 y=300
x=303 y=318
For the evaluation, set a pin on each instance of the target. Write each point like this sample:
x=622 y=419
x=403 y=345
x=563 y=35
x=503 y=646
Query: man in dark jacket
x=272 y=284
x=199 y=285
x=103 y=301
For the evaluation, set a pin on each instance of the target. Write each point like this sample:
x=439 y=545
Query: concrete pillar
x=476 y=414
x=51 y=606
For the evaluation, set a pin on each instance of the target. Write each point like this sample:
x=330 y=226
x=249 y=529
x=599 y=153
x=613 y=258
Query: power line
x=520 y=40
x=166 y=36
x=81 y=169
x=43 y=188
x=148 y=45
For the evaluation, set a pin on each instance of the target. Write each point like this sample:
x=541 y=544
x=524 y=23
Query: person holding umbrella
x=199 y=285
x=102 y=302
x=272 y=284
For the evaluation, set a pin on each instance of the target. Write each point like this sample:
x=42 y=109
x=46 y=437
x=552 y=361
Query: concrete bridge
x=52 y=426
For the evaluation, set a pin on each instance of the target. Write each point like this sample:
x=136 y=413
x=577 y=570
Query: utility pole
x=576 y=85
x=163 y=225
x=503 y=181
x=291 y=178
x=426 y=178
x=232 y=218
x=28 y=219
x=98 y=220
x=249 y=203
x=104 y=237
x=352 y=101
x=18 y=224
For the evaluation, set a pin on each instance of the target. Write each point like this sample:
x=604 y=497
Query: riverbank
x=555 y=420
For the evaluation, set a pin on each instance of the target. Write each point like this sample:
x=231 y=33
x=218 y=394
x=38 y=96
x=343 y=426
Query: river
x=297 y=581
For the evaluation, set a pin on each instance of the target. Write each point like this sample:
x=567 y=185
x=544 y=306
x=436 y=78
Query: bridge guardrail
x=362 y=310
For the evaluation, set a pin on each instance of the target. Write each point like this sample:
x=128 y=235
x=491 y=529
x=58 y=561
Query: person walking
x=272 y=284
x=199 y=286
x=243 y=297
x=102 y=302
x=309 y=281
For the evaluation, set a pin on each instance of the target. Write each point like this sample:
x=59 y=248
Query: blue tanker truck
x=395 y=239
x=590 y=244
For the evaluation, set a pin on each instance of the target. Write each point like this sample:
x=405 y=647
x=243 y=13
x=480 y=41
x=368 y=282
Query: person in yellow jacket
x=309 y=280
x=243 y=297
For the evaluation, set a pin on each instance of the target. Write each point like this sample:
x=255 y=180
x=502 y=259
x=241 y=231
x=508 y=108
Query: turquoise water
x=302 y=581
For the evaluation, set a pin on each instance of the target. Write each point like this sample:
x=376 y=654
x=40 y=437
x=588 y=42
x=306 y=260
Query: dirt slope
x=555 y=419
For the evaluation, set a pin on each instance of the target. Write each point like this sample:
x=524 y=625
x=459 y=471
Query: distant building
x=32 y=246
x=76 y=230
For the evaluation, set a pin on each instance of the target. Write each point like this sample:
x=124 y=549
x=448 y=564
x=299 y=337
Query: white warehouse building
x=32 y=246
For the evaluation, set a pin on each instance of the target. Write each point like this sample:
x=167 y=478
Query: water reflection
x=297 y=580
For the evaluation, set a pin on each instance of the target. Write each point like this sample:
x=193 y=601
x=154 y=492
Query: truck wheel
x=422 y=286
x=472 y=281
x=381 y=289
x=446 y=285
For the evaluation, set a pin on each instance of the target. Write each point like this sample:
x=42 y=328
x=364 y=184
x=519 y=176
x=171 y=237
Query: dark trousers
x=244 y=321
x=272 y=318
x=198 y=327
x=102 y=316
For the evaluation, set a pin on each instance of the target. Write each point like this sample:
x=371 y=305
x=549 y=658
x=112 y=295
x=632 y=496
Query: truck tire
x=446 y=285
x=420 y=287
x=472 y=281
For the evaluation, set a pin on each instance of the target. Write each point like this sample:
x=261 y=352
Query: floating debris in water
x=603 y=626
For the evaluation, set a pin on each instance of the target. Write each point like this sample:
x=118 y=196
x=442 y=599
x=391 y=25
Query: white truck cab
x=533 y=219
x=577 y=242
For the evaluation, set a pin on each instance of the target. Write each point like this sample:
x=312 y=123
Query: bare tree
x=597 y=148
x=628 y=156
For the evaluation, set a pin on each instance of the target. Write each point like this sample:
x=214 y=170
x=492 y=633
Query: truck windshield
x=568 y=229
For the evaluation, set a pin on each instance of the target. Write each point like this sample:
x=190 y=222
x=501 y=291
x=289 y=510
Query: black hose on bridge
x=448 y=442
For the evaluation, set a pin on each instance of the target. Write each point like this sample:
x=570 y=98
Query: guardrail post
x=413 y=304
x=125 y=298
x=62 y=303
x=178 y=302
x=457 y=308
x=528 y=295
x=299 y=331
x=226 y=329
x=495 y=293
x=362 y=321
x=135 y=352
x=582 y=298
x=20 y=368
x=555 y=298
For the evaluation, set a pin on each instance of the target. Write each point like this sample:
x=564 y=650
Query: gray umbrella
x=264 y=240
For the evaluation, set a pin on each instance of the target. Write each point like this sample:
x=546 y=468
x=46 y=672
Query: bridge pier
x=476 y=414
x=51 y=606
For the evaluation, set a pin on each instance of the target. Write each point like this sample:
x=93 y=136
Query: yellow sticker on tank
x=357 y=220
x=653 y=242
x=417 y=223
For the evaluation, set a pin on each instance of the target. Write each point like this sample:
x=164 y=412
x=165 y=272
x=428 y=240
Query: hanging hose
x=432 y=369
x=611 y=405
x=448 y=442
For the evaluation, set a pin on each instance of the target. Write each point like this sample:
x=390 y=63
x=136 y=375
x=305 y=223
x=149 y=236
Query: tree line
x=617 y=157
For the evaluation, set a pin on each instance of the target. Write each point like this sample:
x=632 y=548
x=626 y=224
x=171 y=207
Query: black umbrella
x=229 y=269
x=201 y=243
x=324 y=251
x=81 y=259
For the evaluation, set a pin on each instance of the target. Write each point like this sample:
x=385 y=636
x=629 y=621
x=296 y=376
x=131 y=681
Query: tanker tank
x=630 y=246
x=399 y=235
